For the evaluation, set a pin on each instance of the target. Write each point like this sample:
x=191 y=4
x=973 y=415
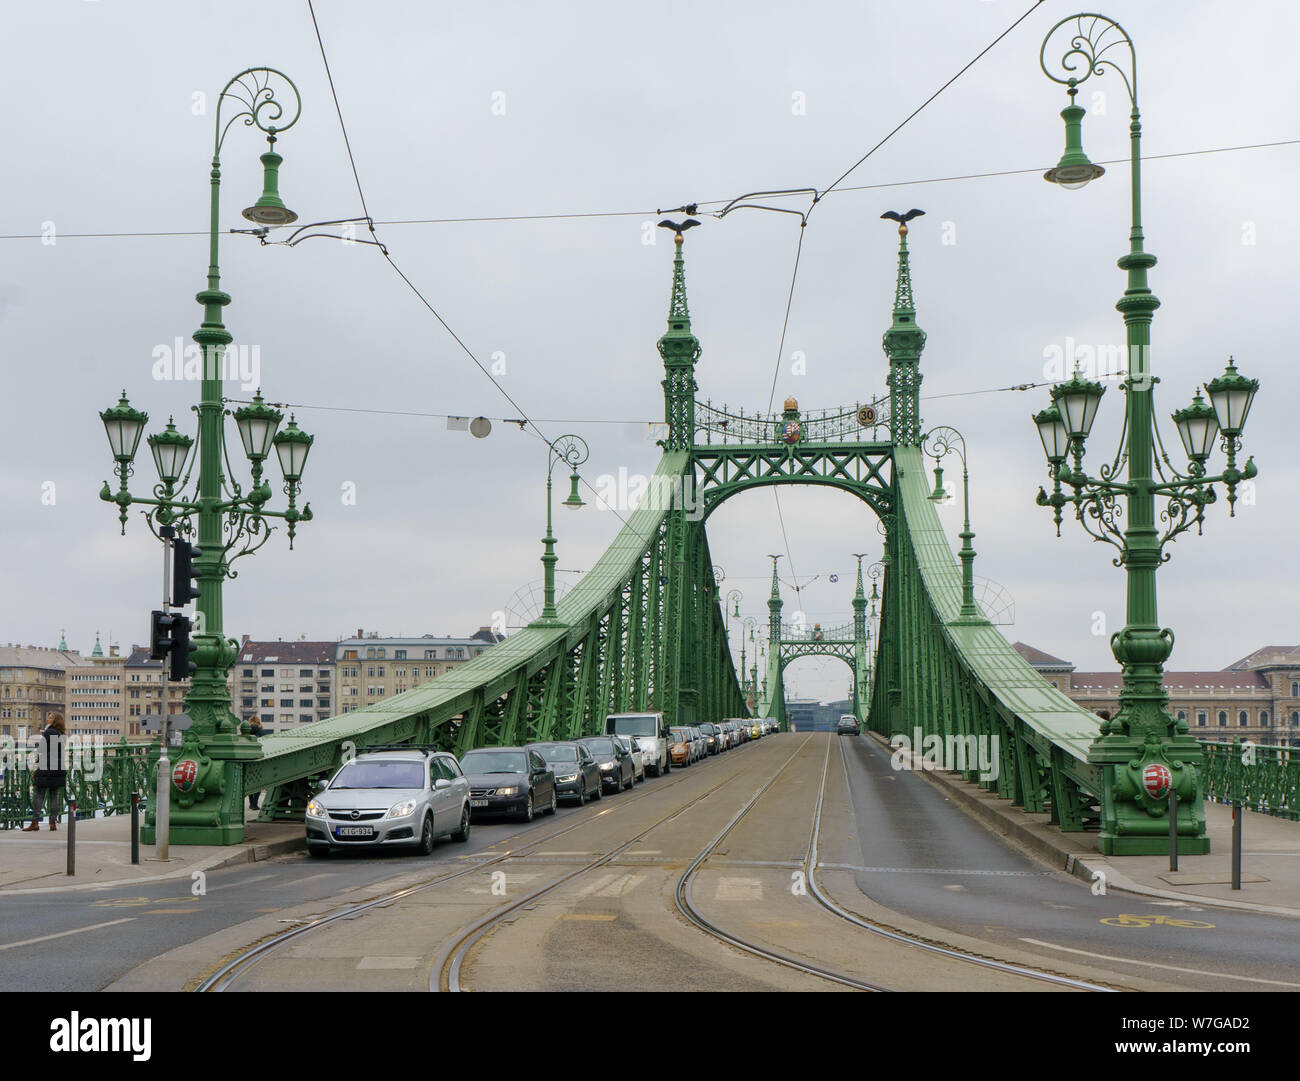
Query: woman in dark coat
x=51 y=778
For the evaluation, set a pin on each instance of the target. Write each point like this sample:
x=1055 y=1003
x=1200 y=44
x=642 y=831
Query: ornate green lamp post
x=1143 y=750
x=573 y=451
x=224 y=520
x=937 y=443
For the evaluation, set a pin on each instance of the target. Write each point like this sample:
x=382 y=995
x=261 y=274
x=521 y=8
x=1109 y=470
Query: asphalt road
x=923 y=856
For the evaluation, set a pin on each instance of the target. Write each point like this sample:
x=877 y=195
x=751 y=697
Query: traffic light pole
x=162 y=793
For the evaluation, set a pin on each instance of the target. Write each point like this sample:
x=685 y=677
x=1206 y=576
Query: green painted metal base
x=1151 y=846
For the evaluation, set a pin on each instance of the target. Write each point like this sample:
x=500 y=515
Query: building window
x=430 y=654
x=286 y=703
x=248 y=673
x=349 y=654
x=305 y=672
x=370 y=653
x=381 y=671
x=399 y=655
x=1243 y=719
x=1223 y=718
x=1295 y=689
x=370 y=671
x=268 y=672
x=1295 y=719
x=267 y=718
x=1263 y=717
x=1182 y=714
x=1201 y=718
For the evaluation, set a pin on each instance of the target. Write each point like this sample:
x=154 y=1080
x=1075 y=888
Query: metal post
x=1236 y=845
x=135 y=827
x=162 y=786
x=1173 y=829
x=72 y=834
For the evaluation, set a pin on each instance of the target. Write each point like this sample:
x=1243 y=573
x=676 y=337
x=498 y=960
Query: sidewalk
x=1270 y=862
x=38 y=862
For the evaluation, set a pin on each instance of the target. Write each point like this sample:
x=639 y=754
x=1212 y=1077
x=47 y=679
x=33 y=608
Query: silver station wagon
x=390 y=799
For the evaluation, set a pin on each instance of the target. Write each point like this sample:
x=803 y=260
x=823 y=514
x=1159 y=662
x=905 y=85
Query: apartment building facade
x=371 y=668
x=1256 y=697
x=283 y=684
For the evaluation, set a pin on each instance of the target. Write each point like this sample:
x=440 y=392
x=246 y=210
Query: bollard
x=135 y=827
x=72 y=836
x=1173 y=830
x=1236 y=845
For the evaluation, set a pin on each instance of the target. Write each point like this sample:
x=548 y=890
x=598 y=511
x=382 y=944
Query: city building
x=142 y=685
x=94 y=695
x=283 y=684
x=1256 y=697
x=33 y=685
x=371 y=668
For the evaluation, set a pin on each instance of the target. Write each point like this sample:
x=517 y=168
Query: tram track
x=823 y=899
x=238 y=966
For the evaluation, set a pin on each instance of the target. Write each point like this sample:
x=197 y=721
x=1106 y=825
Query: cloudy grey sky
x=599 y=108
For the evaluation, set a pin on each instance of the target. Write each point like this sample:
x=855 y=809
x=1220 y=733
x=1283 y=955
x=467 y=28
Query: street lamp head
x=257 y=425
x=123 y=424
x=1077 y=399
x=1074 y=170
x=575 y=500
x=270 y=209
x=1231 y=395
x=1197 y=426
x=1051 y=430
x=170 y=449
x=291 y=447
x=938 y=495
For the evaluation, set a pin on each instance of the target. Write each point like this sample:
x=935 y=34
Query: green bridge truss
x=645 y=629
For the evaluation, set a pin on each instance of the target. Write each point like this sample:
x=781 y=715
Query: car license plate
x=478 y=803
x=354 y=831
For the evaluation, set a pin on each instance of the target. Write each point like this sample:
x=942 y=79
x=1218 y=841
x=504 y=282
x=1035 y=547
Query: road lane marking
x=1129 y=919
x=64 y=934
x=603 y=917
x=246 y=881
x=1154 y=964
x=388 y=962
x=738 y=889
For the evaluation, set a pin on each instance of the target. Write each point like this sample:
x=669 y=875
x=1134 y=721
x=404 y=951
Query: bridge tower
x=861 y=688
x=775 y=685
x=903 y=343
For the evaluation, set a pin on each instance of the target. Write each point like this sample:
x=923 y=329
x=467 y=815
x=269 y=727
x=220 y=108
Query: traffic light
x=181 y=665
x=161 y=628
x=183 y=588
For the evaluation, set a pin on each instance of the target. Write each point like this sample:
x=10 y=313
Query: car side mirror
x=442 y=782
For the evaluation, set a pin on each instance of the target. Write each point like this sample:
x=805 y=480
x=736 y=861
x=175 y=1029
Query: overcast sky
x=459 y=111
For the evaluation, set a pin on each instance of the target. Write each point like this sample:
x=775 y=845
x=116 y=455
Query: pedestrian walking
x=255 y=730
x=51 y=777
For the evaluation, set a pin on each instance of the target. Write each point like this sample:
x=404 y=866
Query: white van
x=651 y=732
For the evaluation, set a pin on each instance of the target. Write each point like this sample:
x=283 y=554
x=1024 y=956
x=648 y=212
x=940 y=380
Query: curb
x=1080 y=865
x=254 y=853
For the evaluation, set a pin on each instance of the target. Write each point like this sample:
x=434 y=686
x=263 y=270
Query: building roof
x=1039 y=659
x=1286 y=656
x=139 y=658
x=12 y=656
x=292 y=652
x=1176 y=681
x=488 y=635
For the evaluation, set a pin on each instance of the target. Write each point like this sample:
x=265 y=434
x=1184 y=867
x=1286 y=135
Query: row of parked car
x=408 y=797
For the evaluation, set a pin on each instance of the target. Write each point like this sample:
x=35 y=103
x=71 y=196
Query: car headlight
x=401 y=810
x=513 y=790
x=566 y=780
x=315 y=809
x=607 y=765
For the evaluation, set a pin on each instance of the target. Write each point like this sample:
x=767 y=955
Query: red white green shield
x=185 y=774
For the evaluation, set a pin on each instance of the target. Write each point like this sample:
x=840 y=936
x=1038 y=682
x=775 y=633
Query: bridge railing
x=101 y=783
x=1266 y=780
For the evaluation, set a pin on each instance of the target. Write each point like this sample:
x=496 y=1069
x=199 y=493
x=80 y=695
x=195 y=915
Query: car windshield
x=640 y=724
x=681 y=735
x=494 y=762
x=600 y=746
x=380 y=775
x=558 y=752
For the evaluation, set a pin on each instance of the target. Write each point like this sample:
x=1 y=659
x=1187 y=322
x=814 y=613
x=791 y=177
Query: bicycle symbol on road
x=1129 y=919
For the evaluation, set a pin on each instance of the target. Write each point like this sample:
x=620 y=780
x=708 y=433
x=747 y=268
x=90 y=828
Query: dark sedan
x=577 y=776
x=508 y=780
x=616 y=768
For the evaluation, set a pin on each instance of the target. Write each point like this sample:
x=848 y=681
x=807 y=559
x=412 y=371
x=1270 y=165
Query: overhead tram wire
x=803 y=225
x=383 y=249
x=578 y=215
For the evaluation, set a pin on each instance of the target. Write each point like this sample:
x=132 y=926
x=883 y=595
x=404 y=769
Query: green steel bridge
x=644 y=629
